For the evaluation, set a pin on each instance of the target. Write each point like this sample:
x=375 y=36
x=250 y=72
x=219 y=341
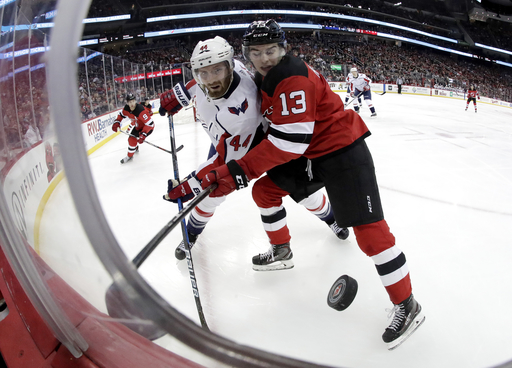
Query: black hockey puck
x=342 y=293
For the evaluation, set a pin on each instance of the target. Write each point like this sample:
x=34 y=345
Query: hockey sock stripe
x=274 y=222
x=391 y=266
x=386 y=255
x=395 y=277
x=270 y=211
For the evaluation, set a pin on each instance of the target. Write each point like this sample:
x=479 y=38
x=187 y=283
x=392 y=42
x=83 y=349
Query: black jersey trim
x=295 y=137
x=234 y=84
x=289 y=66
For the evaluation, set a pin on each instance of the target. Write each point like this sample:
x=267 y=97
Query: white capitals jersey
x=349 y=79
x=232 y=120
x=360 y=82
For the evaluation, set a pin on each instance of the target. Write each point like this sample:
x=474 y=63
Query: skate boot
x=340 y=232
x=278 y=257
x=466 y=109
x=373 y=115
x=126 y=159
x=180 y=253
x=407 y=318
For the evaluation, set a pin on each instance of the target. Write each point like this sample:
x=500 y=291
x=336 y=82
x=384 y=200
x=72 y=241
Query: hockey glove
x=186 y=190
x=142 y=138
x=173 y=100
x=229 y=177
x=116 y=126
x=366 y=88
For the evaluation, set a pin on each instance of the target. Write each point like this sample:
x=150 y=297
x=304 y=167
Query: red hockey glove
x=173 y=100
x=116 y=126
x=188 y=189
x=142 y=138
x=351 y=94
x=366 y=88
x=229 y=177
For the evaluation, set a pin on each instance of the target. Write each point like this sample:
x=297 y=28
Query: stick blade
x=130 y=315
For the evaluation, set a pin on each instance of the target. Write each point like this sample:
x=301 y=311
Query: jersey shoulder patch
x=288 y=67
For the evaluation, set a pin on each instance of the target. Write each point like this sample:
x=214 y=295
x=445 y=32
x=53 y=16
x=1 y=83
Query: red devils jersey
x=306 y=118
x=472 y=93
x=140 y=116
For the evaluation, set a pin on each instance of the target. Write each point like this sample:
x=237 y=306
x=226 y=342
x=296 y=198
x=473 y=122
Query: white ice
x=445 y=176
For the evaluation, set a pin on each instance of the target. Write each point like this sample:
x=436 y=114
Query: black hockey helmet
x=262 y=32
x=130 y=96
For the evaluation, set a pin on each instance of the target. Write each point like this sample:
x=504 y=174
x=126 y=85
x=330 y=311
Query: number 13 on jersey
x=296 y=100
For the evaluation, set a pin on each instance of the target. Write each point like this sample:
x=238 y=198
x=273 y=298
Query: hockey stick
x=185 y=233
x=353 y=98
x=119 y=306
x=151 y=144
x=380 y=94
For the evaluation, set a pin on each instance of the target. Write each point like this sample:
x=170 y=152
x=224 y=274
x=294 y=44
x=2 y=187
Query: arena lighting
x=493 y=48
x=5 y=2
x=295 y=12
x=170 y=32
x=397 y=4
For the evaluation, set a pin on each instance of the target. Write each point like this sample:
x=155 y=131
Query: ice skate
x=126 y=159
x=278 y=257
x=374 y=115
x=340 y=232
x=407 y=318
x=180 y=253
x=466 y=109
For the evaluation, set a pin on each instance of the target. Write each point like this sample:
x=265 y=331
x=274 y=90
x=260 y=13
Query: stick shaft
x=185 y=233
x=151 y=144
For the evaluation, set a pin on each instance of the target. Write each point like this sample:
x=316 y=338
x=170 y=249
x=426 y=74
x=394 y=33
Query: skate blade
x=420 y=318
x=276 y=266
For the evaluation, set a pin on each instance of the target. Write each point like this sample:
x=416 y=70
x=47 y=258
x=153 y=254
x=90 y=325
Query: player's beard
x=222 y=87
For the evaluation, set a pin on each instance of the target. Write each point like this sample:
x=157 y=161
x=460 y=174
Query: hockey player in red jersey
x=229 y=107
x=141 y=126
x=472 y=95
x=147 y=105
x=308 y=119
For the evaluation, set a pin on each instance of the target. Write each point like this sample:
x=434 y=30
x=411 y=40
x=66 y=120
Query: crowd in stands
x=435 y=17
x=26 y=115
x=382 y=61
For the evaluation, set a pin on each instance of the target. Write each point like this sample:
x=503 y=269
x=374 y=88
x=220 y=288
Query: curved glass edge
x=23 y=89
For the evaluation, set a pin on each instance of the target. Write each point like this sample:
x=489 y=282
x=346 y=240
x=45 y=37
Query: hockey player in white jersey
x=360 y=86
x=228 y=106
x=348 y=80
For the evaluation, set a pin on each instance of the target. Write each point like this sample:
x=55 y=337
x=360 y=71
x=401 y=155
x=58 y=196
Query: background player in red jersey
x=141 y=126
x=308 y=119
x=472 y=95
x=147 y=105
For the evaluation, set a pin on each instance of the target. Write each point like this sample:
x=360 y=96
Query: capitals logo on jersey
x=239 y=109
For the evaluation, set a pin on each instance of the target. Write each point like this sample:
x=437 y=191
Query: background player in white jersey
x=360 y=85
x=228 y=106
x=141 y=126
x=348 y=80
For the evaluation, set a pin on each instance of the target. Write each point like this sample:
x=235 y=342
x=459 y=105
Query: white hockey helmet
x=210 y=52
x=353 y=71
